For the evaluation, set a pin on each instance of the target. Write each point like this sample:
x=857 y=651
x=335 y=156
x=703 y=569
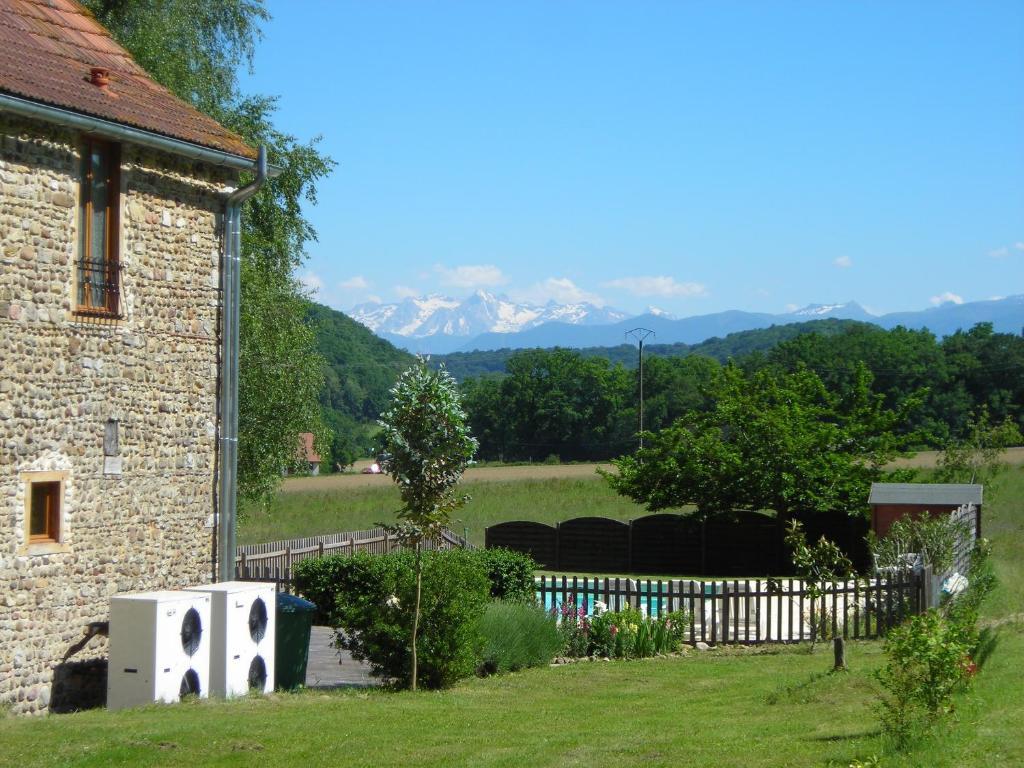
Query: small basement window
x=44 y=512
x=44 y=515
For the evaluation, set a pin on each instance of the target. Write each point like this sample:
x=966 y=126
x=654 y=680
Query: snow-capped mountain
x=851 y=310
x=436 y=324
x=432 y=316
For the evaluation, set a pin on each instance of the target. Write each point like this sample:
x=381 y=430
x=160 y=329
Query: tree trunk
x=416 y=615
x=839 y=650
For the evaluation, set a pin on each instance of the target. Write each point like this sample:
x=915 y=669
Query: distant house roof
x=925 y=493
x=306 y=450
x=48 y=49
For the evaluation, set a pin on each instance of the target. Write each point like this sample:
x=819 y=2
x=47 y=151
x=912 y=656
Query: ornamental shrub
x=928 y=658
x=962 y=610
x=517 y=635
x=510 y=573
x=934 y=539
x=371 y=601
x=320 y=579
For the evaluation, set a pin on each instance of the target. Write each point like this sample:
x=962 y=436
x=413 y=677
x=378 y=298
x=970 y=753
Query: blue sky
x=691 y=156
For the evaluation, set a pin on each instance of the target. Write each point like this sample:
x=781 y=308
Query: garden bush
x=962 y=609
x=932 y=538
x=319 y=579
x=931 y=654
x=927 y=659
x=517 y=635
x=371 y=601
x=510 y=573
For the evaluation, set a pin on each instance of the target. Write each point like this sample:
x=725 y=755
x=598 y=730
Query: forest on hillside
x=579 y=405
x=360 y=370
x=468 y=365
x=560 y=403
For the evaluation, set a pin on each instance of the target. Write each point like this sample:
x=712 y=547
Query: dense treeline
x=469 y=365
x=563 y=403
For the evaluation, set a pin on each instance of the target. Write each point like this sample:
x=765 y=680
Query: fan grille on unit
x=191 y=631
x=189 y=684
x=258 y=620
x=257 y=674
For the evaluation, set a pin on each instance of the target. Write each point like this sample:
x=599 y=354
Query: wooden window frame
x=111 y=306
x=52 y=540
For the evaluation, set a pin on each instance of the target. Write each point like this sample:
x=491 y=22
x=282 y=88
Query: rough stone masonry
x=146 y=522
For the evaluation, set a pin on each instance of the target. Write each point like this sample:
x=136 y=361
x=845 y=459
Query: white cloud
x=405 y=292
x=374 y=299
x=792 y=307
x=561 y=290
x=312 y=282
x=470 y=276
x=354 y=283
x=945 y=298
x=843 y=262
x=661 y=285
x=1004 y=250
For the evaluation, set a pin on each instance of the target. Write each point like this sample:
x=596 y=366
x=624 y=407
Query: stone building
x=113 y=201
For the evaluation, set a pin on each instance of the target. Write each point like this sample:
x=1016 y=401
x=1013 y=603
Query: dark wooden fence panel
x=737 y=544
x=845 y=531
x=593 y=544
x=536 y=539
x=666 y=543
x=741 y=544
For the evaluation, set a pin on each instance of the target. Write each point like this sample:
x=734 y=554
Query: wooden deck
x=330 y=668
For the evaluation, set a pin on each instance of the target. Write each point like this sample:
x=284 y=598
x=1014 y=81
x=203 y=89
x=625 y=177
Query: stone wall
x=63 y=376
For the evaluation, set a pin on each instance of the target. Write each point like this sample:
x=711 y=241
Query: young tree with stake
x=427 y=447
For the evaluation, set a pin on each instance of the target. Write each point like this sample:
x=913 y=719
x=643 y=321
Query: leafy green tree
x=427 y=447
x=977 y=457
x=194 y=48
x=551 y=402
x=770 y=441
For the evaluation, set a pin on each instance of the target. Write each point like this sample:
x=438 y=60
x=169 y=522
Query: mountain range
x=438 y=325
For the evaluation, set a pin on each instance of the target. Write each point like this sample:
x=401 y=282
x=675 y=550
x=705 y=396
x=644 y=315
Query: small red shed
x=891 y=501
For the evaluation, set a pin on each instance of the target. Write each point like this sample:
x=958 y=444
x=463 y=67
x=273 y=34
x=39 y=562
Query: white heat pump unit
x=241 y=637
x=159 y=647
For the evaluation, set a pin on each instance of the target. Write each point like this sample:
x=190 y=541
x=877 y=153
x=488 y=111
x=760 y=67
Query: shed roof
x=47 y=51
x=925 y=493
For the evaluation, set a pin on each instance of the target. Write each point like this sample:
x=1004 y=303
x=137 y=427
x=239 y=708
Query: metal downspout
x=227 y=493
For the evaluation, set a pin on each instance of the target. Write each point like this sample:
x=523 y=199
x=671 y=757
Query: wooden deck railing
x=273 y=560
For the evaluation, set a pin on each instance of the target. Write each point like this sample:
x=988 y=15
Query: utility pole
x=640 y=335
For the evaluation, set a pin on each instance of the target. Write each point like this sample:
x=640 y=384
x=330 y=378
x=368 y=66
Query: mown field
x=723 y=708
x=307 y=506
x=310 y=506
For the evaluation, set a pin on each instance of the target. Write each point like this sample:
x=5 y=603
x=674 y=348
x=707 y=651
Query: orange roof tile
x=47 y=49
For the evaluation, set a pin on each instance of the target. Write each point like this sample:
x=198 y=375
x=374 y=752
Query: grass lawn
x=730 y=709
x=745 y=708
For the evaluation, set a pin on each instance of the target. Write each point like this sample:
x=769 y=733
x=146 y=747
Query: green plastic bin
x=291 y=653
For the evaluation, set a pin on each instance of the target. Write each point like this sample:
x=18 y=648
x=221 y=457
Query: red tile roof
x=47 y=49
